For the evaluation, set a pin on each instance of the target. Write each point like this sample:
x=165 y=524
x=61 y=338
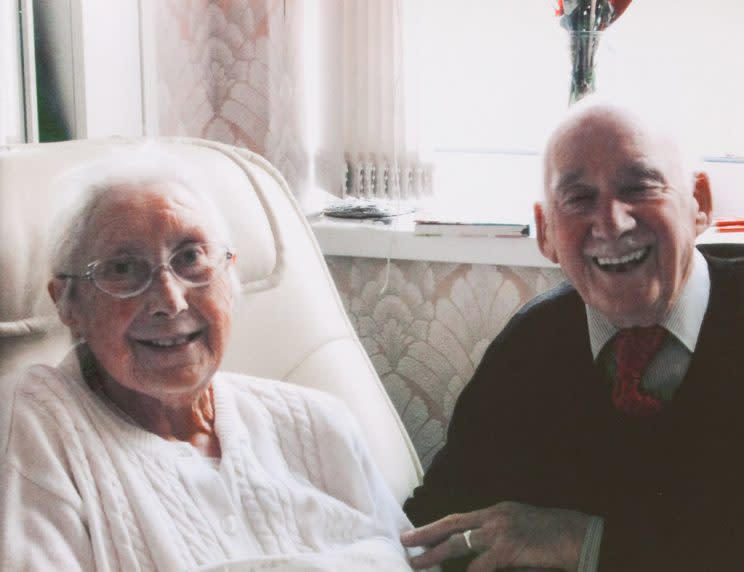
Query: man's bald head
x=591 y=119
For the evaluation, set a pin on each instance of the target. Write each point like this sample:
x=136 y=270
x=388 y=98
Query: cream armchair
x=289 y=323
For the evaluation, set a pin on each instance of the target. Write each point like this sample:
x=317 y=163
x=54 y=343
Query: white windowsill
x=521 y=174
x=397 y=241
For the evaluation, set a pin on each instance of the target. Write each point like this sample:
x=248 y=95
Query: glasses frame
x=88 y=275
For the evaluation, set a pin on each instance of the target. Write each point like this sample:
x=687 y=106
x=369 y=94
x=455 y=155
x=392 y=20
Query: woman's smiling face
x=168 y=341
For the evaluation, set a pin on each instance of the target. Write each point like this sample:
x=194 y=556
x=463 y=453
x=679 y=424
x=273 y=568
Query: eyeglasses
x=127 y=275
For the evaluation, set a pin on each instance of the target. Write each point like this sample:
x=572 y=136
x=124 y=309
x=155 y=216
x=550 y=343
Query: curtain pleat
x=381 y=150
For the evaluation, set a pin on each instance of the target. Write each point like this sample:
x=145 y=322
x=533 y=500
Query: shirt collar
x=683 y=320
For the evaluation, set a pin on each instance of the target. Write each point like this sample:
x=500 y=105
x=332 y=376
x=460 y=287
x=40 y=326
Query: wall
x=427 y=329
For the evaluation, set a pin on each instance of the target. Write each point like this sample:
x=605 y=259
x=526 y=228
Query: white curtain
x=230 y=71
x=320 y=87
x=380 y=127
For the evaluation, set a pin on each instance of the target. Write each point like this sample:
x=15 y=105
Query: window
x=12 y=102
x=495 y=76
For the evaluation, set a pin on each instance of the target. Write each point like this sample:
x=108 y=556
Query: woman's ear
x=58 y=289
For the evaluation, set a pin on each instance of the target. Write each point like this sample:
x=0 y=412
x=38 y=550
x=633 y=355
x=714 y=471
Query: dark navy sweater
x=536 y=425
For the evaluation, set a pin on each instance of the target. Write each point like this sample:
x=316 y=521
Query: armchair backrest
x=289 y=323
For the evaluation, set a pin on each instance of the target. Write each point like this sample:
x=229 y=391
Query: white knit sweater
x=295 y=489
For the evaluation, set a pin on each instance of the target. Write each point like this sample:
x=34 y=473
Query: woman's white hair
x=86 y=186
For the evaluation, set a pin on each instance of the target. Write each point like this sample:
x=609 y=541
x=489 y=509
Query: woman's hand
x=506 y=535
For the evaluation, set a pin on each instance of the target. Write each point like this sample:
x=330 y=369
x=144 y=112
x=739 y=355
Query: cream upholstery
x=289 y=323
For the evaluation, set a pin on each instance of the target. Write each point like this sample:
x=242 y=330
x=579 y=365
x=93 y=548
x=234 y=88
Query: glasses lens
x=122 y=275
x=199 y=263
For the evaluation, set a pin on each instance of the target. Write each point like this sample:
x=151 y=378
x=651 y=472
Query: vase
x=584 y=47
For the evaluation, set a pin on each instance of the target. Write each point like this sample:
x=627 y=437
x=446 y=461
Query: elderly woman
x=136 y=452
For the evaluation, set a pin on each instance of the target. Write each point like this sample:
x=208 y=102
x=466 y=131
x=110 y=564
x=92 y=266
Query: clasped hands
x=508 y=535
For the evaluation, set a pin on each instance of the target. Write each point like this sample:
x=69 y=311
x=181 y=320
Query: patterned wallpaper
x=427 y=329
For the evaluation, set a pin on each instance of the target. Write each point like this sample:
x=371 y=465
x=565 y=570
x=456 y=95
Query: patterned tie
x=634 y=350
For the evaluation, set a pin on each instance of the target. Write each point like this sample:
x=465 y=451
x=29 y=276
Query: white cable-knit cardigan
x=82 y=488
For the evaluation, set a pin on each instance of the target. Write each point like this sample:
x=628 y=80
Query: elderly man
x=602 y=429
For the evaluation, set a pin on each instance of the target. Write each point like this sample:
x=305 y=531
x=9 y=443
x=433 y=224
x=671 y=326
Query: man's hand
x=506 y=535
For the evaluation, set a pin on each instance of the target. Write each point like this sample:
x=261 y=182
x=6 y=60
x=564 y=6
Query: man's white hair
x=86 y=186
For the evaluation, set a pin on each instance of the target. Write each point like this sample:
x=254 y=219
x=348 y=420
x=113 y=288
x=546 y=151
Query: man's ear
x=704 y=198
x=544 y=233
x=56 y=288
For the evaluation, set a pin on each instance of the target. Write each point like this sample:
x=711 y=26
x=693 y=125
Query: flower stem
x=592 y=15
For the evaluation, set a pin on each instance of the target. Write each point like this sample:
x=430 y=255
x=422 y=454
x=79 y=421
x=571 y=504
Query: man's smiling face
x=620 y=215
